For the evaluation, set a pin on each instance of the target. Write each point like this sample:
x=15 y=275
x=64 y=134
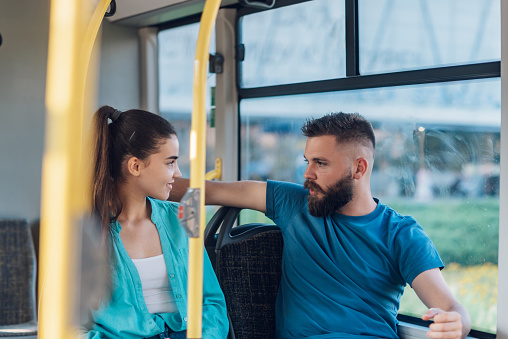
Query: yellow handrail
x=63 y=199
x=197 y=162
x=217 y=172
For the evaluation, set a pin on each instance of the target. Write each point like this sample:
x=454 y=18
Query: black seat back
x=247 y=261
x=17 y=277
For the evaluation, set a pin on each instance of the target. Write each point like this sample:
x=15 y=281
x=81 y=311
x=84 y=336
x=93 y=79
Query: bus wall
x=24 y=26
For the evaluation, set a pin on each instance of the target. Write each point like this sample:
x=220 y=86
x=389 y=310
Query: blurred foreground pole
x=65 y=200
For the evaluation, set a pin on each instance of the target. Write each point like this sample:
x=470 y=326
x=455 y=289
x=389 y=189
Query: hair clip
x=115 y=115
x=132 y=135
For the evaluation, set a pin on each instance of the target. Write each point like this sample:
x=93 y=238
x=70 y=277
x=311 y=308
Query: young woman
x=135 y=164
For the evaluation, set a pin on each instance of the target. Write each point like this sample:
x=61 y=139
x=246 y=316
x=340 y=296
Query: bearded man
x=346 y=257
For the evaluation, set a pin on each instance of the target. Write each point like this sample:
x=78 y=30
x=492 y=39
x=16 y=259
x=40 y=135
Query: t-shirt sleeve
x=284 y=200
x=416 y=252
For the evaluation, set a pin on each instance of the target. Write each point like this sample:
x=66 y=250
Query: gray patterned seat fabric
x=249 y=275
x=17 y=279
x=247 y=260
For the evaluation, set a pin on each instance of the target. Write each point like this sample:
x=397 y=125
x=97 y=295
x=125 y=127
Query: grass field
x=464 y=231
x=466 y=234
x=474 y=286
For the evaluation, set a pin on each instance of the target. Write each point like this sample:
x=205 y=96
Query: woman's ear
x=361 y=168
x=134 y=166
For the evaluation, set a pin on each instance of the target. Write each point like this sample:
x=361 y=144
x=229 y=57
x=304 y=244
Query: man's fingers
x=446 y=324
x=441 y=316
x=446 y=327
x=444 y=335
x=431 y=313
x=447 y=317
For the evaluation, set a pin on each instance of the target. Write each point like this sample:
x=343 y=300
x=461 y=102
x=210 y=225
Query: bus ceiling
x=140 y=13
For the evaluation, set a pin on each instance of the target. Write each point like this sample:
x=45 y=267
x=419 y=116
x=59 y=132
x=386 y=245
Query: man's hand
x=446 y=324
x=451 y=319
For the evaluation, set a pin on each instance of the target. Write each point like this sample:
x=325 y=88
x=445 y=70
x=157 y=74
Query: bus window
x=398 y=35
x=437 y=159
x=438 y=138
x=177 y=47
x=279 y=51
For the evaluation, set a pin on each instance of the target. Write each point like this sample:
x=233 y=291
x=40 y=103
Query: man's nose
x=309 y=173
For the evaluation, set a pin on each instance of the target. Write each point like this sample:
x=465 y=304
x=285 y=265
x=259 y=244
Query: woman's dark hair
x=346 y=127
x=134 y=133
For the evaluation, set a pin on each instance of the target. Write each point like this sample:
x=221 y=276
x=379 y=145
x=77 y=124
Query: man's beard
x=336 y=196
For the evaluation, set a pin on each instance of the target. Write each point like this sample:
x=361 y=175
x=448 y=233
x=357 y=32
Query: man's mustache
x=313 y=186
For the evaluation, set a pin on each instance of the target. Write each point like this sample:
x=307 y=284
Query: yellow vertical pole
x=64 y=178
x=198 y=166
x=58 y=209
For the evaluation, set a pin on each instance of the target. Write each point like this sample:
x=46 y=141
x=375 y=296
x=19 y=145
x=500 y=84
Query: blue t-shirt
x=126 y=315
x=343 y=276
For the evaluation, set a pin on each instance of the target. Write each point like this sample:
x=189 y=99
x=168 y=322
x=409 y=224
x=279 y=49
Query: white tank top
x=157 y=290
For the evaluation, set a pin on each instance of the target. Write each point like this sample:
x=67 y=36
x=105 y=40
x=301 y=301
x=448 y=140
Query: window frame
x=354 y=80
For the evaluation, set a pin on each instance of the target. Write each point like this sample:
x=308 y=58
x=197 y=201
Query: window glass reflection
x=297 y=43
x=437 y=159
x=400 y=34
x=177 y=48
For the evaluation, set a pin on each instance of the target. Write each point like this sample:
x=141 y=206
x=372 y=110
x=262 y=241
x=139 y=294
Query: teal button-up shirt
x=126 y=315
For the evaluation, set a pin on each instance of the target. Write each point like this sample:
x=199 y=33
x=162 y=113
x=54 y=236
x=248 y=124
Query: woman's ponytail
x=103 y=189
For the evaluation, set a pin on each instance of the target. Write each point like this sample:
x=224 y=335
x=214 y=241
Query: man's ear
x=134 y=166
x=361 y=165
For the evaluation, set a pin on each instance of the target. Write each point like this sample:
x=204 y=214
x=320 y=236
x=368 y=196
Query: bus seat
x=35 y=230
x=17 y=279
x=247 y=260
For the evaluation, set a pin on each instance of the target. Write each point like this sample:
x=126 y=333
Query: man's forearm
x=242 y=194
x=181 y=185
x=179 y=188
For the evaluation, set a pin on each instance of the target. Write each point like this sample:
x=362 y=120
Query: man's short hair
x=346 y=127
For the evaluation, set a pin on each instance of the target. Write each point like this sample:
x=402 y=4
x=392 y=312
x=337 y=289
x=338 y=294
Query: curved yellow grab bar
x=63 y=199
x=217 y=172
x=197 y=162
x=89 y=38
